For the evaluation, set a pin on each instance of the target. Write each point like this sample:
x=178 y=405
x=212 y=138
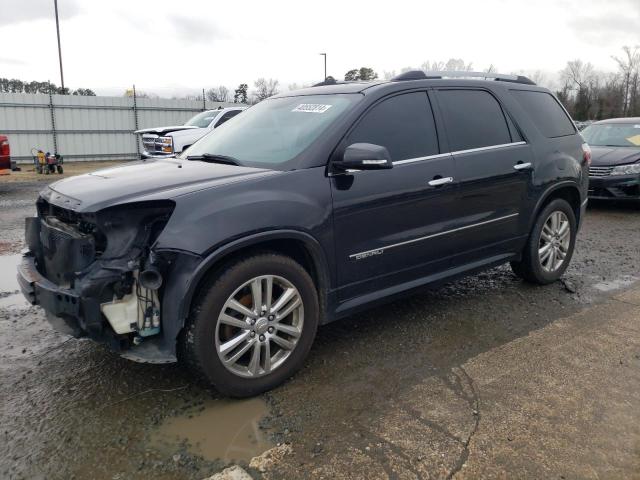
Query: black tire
x=197 y=347
x=530 y=267
x=60 y=169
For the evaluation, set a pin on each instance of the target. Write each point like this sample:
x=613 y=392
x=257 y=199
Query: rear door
x=494 y=171
x=388 y=224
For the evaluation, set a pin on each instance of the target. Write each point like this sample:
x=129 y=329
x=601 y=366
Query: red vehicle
x=5 y=158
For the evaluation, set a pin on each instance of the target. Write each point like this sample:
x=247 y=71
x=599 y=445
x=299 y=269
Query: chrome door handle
x=522 y=166
x=436 y=182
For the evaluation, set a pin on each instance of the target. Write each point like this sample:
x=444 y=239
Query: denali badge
x=370 y=253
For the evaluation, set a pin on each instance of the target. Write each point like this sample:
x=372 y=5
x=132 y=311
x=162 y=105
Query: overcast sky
x=169 y=46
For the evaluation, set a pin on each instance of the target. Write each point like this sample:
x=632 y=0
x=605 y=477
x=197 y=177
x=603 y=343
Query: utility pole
x=55 y=3
x=325 y=65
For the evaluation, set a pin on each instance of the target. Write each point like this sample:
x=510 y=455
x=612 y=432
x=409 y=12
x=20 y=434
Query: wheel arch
x=568 y=191
x=300 y=246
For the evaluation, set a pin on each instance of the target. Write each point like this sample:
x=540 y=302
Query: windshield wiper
x=214 y=158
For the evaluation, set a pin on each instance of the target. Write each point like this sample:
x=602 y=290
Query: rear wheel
x=550 y=246
x=252 y=325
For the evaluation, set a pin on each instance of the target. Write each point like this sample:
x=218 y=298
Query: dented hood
x=165 y=130
x=141 y=181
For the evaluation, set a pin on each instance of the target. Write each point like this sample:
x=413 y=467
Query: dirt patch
x=28 y=173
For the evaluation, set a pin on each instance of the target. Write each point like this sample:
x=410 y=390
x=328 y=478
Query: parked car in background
x=582 y=125
x=615 y=161
x=311 y=206
x=5 y=156
x=161 y=142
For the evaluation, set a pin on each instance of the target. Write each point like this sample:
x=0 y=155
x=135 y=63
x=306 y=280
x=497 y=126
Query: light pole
x=55 y=4
x=325 y=65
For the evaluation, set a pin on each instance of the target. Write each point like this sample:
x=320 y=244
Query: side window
x=227 y=116
x=546 y=113
x=403 y=124
x=473 y=119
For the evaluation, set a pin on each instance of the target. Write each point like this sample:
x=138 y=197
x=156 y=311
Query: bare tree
x=578 y=73
x=453 y=64
x=218 y=94
x=264 y=89
x=629 y=66
x=223 y=94
x=433 y=66
x=538 y=77
x=457 y=64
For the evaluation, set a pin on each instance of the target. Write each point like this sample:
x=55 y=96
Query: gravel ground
x=487 y=376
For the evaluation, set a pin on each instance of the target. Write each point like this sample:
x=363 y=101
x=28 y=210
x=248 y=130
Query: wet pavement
x=486 y=377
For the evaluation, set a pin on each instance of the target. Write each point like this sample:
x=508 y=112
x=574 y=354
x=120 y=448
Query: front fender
x=188 y=270
x=311 y=244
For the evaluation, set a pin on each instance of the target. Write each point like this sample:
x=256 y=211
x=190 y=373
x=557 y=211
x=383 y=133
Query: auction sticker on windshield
x=311 y=108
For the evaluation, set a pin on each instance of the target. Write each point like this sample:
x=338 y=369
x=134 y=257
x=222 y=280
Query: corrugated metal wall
x=87 y=128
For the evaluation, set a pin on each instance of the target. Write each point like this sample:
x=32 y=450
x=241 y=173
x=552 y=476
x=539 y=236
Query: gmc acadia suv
x=308 y=207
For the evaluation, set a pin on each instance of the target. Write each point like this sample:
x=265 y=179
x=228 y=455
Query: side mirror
x=365 y=156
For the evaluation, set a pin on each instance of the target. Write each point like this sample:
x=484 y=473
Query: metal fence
x=87 y=128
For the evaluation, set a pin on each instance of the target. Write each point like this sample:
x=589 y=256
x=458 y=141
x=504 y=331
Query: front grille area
x=600 y=171
x=149 y=143
x=152 y=144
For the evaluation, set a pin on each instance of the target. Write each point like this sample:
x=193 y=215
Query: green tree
x=85 y=92
x=14 y=85
x=241 y=95
x=362 y=73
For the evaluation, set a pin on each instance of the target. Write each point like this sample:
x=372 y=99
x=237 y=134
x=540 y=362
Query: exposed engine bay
x=97 y=272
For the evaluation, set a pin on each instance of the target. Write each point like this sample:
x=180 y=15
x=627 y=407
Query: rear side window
x=473 y=119
x=546 y=113
x=227 y=116
x=403 y=124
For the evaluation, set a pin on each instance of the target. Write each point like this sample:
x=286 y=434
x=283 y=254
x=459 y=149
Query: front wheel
x=252 y=325
x=550 y=246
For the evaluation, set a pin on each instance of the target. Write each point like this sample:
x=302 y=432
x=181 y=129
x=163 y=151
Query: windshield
x=613 y=135
x=203 y=119
x=275 y=130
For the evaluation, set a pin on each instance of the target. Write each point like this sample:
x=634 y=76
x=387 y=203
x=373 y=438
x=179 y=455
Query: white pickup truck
x=159 y=142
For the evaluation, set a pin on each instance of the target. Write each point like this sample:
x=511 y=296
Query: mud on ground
x=487 y=376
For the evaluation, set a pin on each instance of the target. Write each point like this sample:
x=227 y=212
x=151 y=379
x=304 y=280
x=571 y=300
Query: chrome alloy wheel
x=554 y=242
x=259 y=326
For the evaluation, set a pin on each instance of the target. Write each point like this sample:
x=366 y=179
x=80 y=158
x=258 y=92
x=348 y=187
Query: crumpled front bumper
x=63 y=306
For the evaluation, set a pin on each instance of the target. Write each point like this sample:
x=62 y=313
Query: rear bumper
x=615 y=187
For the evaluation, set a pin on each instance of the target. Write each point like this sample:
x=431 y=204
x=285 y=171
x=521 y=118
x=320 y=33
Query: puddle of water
x=15 y=301
x=226 y=430
x=616 y=284
x=8 y=265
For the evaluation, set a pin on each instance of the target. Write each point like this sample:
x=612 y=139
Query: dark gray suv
x=308 y=207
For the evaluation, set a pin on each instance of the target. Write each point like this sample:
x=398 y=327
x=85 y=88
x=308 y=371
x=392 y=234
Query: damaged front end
x=97 y=275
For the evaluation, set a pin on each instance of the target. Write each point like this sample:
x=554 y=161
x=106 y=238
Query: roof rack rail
x=422 y=75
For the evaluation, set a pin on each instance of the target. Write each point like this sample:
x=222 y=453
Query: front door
x=388 y=224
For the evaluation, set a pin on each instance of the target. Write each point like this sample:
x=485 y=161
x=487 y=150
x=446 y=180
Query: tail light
x=586 y=154
x=5 y=151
